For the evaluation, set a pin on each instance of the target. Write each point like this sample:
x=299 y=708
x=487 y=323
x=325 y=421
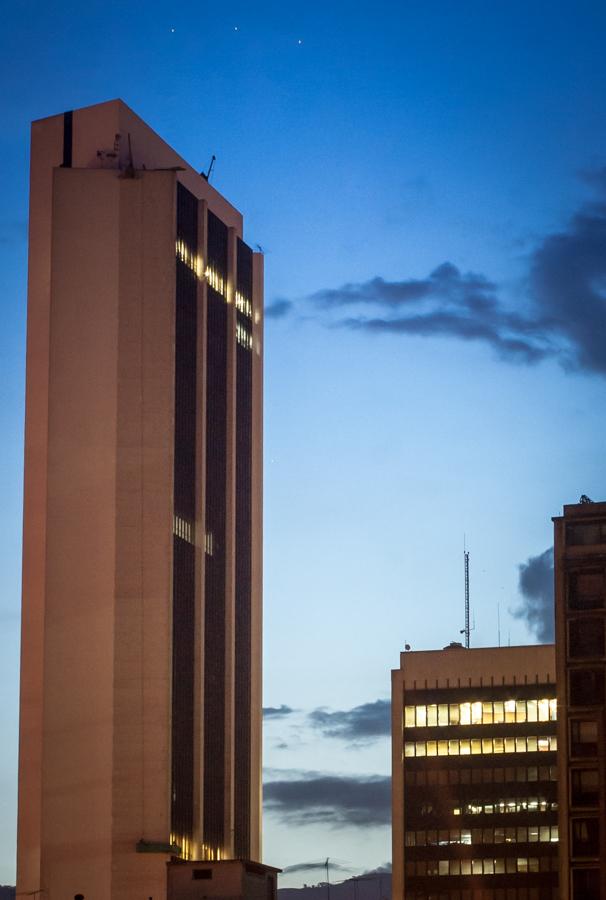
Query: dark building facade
x=580 y=594
x=475 y=775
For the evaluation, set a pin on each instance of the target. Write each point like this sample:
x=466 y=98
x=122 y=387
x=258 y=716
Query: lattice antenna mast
x=467 y=628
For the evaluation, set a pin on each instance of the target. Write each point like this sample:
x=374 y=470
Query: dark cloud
x=314 y=867
x=536 y=587
x=568 y=282
x=337 y=800
x=278 y=309
x=564 y=309
x=362 y=723
x=276 y=712
x=447 y=303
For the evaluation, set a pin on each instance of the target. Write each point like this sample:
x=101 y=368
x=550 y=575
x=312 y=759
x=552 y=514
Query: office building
x=580 y=595
x=474 y=777
x=141 y=634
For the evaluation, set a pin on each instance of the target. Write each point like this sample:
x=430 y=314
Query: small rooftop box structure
x=227 y=879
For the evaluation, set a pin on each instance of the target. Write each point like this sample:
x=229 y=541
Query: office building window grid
x=494 y=822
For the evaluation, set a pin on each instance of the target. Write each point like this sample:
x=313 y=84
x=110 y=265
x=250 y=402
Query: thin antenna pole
x=467 y=629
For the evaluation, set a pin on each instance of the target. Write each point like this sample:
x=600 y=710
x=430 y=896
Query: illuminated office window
x=480 y=712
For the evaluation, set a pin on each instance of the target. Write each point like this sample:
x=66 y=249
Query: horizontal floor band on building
x=522 y=834
x=505 y=865
x=480 y=712
x=474 y=746
x=430 y=777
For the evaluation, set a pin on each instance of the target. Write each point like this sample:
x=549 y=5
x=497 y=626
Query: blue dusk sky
x=428 y=181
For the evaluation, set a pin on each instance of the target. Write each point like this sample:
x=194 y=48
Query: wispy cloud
x=559 y=312
x=314 y=867
x=306 y=798
x=278 y=309
x=277 y=712
x=536 y=588
x=362 y=723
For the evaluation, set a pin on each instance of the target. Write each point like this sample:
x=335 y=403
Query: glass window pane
x=409 y=749
x=442 y=748
x=465 y=713
x=510 y=710
x=476 y=713
x=420 y=747
x=409 y=716
x=476 y=746
x=486 y=745
x=465 y=748
x=544 y=710
x=487 y=713
x=510 y=745
x=453 y=748
x=520 y=711
x=498 y=712
x=443 y=714
x=432 y=714
x=432 y=748
x=421 y=712
x=476 y=866
x=454 y=714
x=533 y=710
x=498 y=746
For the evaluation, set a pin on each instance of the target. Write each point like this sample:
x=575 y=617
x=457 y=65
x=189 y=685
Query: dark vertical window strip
x=182 y=794
x=243 y=624
x=217 y=244
x=215 y=570
x=182 y=810
x=68 y=139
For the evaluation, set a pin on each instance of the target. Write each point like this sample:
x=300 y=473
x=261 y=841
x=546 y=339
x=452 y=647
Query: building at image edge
x=580 y=615
x=140 y=715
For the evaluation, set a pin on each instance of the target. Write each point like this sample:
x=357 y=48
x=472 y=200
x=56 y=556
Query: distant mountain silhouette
x=369 y=886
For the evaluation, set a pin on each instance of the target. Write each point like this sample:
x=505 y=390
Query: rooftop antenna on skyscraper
x=467 y=629
x=207 y=175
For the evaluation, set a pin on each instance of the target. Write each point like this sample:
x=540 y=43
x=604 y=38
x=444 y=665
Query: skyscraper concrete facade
x=580 y=614
x=141 y=632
